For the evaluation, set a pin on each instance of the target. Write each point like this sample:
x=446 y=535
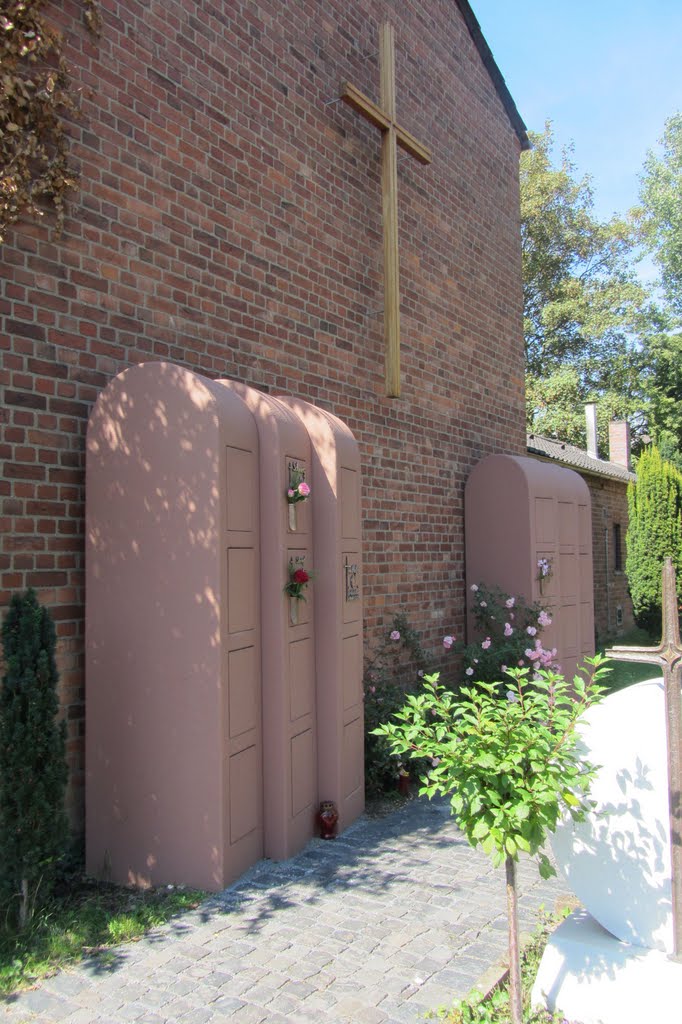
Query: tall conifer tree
x=654 y=531
x=33 y=769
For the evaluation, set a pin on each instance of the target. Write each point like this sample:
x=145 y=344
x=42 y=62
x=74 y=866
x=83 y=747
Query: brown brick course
x=229 y=219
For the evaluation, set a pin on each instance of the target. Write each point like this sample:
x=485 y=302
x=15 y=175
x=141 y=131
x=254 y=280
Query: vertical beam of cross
x=383 y=117
x=668 y=655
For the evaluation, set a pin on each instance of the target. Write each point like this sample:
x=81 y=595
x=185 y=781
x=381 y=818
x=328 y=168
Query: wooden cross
x=668 y=655
x=384 y=118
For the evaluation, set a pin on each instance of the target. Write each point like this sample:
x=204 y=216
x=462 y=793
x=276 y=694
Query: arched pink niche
x=202 y=731
x=520 y=512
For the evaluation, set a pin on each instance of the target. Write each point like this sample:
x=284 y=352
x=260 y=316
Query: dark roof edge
x=608 y=470
x=495 y=73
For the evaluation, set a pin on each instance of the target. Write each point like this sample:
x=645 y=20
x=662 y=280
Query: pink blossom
x=372 y=689
x=544 y=619
x=508 y=630
x=510 y=602
x=512 y=697
x=395 y=635
x=531 y=630
x=528 y=652
x=448 y=641
x=486 y=643
x=469 y=671
x=303 y=489
x=520 y=663
x=474 y=587
x=435 y=761
x=503 y=668
x=291 y=493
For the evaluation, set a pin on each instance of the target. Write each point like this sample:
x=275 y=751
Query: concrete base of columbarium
x=611 y=962
x=594 y=978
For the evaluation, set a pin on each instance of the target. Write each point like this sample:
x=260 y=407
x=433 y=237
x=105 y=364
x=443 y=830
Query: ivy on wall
x=36 y=99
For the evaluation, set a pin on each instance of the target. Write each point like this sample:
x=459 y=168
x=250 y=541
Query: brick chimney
x=591 y=423
x=619 y=443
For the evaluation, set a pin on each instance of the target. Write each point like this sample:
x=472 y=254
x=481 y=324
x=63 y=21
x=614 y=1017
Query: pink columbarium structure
x=528 y=530
x=220 y=712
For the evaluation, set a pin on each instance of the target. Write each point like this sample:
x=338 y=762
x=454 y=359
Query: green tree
x=661 y=198
x=654 y=532
x=33 y=769
x=662 y=381
x=555 y=407
x=510 y=767
x=582 y=301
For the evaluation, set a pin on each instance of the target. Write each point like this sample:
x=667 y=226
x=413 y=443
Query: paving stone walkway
x=396 y=917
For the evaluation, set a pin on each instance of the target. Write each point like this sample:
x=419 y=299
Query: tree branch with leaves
x=36 y=100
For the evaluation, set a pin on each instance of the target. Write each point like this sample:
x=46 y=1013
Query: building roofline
x=496 y=75
x=568 y=455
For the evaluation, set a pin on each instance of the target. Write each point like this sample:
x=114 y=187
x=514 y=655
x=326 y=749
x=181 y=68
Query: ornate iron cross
x=383 y=116
x=668 y=655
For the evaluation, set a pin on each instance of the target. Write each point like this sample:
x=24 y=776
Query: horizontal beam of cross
x=379 y=118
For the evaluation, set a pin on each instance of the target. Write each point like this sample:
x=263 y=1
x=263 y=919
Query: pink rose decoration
x=303 y=489
x=395 y=635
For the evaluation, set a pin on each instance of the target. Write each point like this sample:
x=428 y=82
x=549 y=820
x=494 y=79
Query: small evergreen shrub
x=33 y=770
x=654 y=532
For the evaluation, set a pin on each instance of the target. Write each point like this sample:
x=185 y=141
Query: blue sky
x=606 y=73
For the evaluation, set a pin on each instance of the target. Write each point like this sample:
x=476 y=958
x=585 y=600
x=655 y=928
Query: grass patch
x=625 y=673
x=494 y=1008
x=84 y=918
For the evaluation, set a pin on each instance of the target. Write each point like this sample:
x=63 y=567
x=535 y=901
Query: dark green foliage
x=33 y=771
x=654 y=532
x=391 y=672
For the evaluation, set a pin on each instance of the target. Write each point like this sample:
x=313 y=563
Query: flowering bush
x=510 y=635
x=298 y=580
x=298 y=489
x=394 y=669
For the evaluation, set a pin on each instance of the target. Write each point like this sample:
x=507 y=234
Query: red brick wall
x=609 y=509
x=229 y=219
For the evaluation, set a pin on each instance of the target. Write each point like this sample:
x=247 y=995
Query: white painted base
x=617 y=861
x=594 y=978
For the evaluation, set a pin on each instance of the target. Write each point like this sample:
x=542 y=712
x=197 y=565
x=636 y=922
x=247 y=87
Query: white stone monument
x=618 y=960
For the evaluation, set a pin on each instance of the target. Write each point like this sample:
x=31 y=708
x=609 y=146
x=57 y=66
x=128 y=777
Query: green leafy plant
x=389 y=674
x=510 y=766
x=654 y=532
x=33 y=770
